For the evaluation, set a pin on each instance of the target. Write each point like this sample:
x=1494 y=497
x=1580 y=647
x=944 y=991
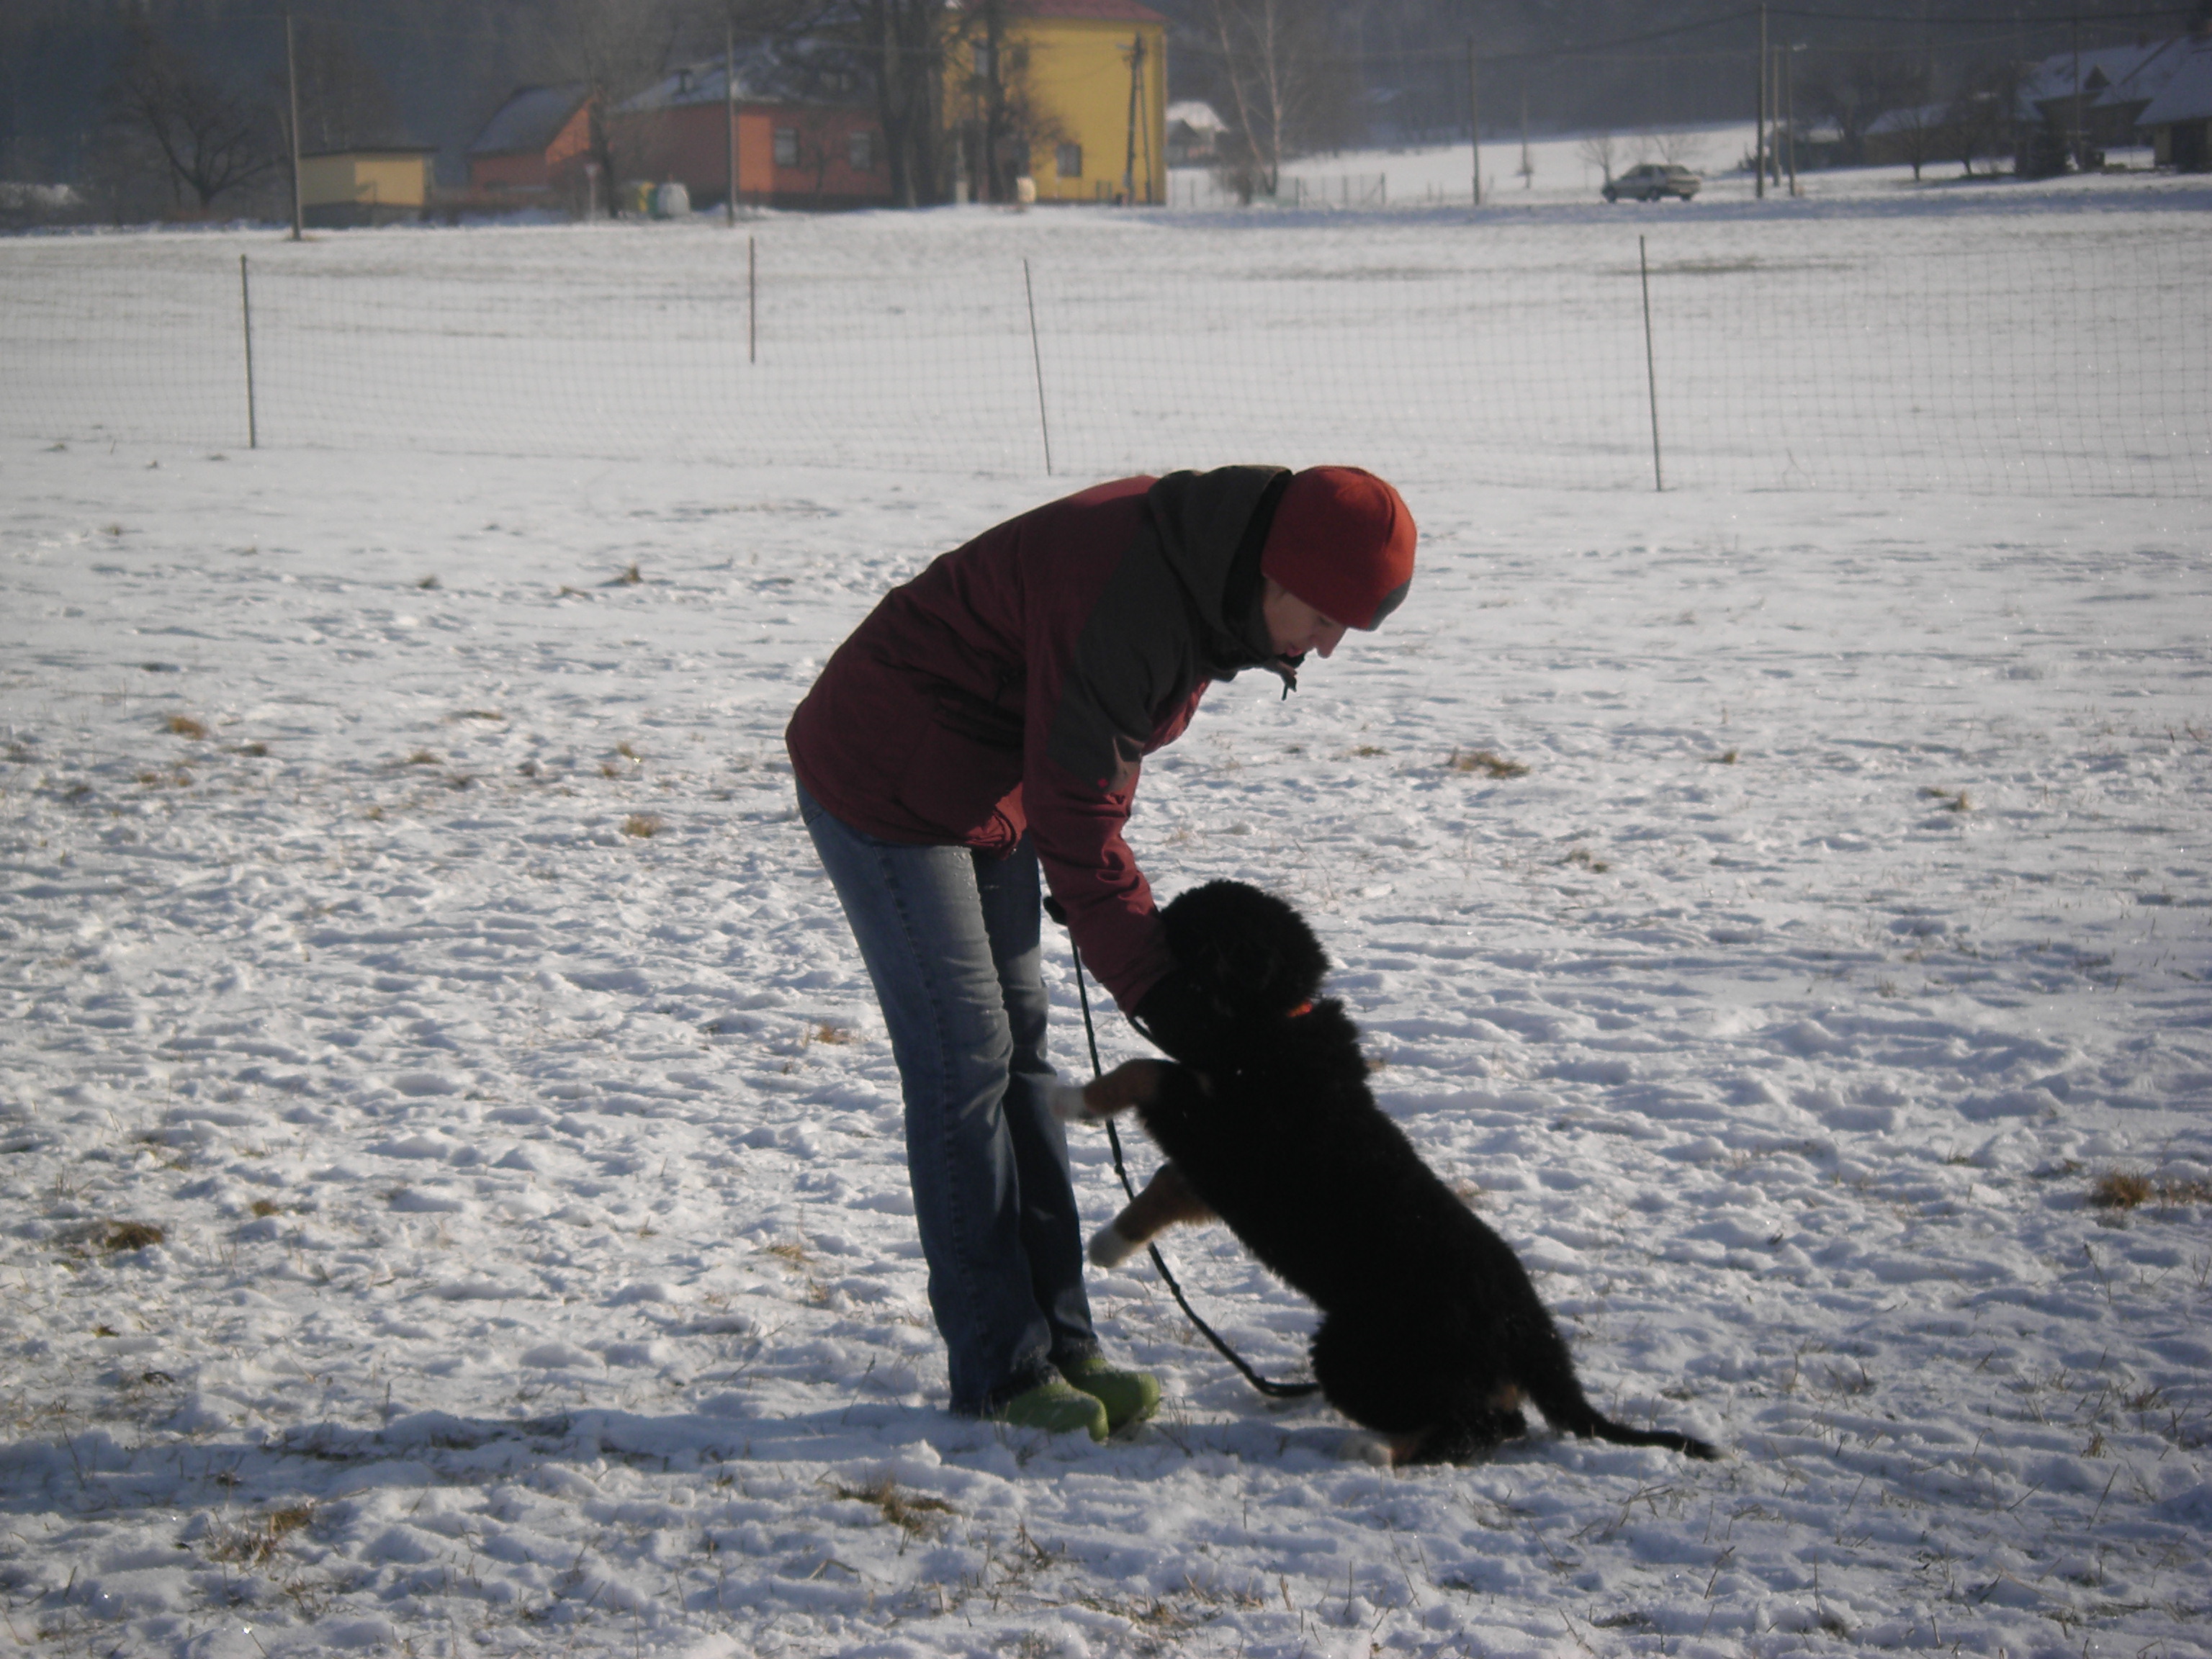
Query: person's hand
x=1178 y=1016
x=1055 y=909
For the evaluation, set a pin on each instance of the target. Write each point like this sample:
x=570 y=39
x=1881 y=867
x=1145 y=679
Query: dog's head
x=1252 y=952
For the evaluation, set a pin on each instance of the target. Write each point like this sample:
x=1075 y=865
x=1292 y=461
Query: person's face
x=1294 y=627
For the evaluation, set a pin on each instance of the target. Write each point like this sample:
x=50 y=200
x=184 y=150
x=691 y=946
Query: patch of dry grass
x=185 y=726
x=130 y=1236
x=643 y=825
x=253 y=1543
x=2127 y=1190
x=909 y=1512
x=1486 y=760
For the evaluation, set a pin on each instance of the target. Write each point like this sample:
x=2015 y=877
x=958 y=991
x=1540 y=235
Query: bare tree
x=1981 y=111
x=1676 y=147
x=1599 y=151
x=977 y=92
x=1286 y=89
x=614 y=48
x=902 y=44
x=344 y=101
x=213 y=138
x=1919 y=130
x=1858 y=88
x=1002 y=122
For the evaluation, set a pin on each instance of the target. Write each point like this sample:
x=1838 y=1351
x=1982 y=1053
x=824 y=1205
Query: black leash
x=1273 y=1390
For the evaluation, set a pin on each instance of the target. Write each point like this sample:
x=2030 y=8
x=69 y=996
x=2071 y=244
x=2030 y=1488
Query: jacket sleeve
x=1107 y=690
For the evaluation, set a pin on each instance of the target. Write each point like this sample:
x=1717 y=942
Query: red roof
x=1105 y=11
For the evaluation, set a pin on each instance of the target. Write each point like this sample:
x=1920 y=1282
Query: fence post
x=1036 y=359
x=245 y=310
x=1650 y=370
x=752 y=302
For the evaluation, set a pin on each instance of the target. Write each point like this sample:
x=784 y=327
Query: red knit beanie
x=1343 y=542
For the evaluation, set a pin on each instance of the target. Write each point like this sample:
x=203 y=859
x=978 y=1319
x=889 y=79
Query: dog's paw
x=1110 y=1247
x=1067 y=1102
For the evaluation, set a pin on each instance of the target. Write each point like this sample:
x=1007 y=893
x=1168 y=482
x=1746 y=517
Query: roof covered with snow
x=529 y=120
x=2109 y=75
x=2187 y=92
x=779 y=72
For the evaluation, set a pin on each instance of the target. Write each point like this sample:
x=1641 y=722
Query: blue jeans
x=950 y=940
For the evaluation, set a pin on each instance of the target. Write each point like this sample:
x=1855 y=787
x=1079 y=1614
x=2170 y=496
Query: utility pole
x=730 y=112
x=2075 y=24
x=292 y=91
x=1474 y=121
x=1145 y=125
x=1759 y=140
x=1789 y=112
x=1774 y=118
x=1136 y=103
x=1528 y=167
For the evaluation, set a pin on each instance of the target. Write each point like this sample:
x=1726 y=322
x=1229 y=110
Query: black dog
x=1431 y=1334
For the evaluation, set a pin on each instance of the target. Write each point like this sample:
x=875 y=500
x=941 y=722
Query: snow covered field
x=1563 y=170
x=2048 y=339
x=453 y=1189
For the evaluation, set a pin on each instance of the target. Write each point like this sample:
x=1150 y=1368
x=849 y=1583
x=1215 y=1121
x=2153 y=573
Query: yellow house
x=365 y=186
x=1081 y=95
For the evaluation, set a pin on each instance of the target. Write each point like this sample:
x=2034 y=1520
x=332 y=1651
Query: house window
x=1068 y=160
x=860 y=151
x=980 y=59
x=786 y=146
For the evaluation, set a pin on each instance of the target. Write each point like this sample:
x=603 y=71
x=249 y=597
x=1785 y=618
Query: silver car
x=1651 y=181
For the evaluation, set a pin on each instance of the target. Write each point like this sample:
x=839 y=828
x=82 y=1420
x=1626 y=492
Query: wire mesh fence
x=2014 y=360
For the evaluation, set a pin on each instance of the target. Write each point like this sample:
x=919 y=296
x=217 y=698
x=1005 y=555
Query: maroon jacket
x=1018 y=682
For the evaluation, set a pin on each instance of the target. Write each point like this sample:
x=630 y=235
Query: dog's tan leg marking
x=1166 y=1200
x=1133 y=1083
x=1404 y=1448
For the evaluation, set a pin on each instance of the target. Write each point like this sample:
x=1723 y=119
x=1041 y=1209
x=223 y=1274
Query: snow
x=536 y=1268
x=1566 y=169
x=2003 y=339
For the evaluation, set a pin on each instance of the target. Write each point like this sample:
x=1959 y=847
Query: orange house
x=535 y=146
x=794 y=151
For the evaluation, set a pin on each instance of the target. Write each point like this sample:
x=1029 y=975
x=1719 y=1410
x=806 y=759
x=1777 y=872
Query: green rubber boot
x=1128 y=1396
x=1056 y=1409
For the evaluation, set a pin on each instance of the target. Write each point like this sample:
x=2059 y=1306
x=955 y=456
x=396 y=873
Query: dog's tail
x=1598 y=1425
x=1559 y=1396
